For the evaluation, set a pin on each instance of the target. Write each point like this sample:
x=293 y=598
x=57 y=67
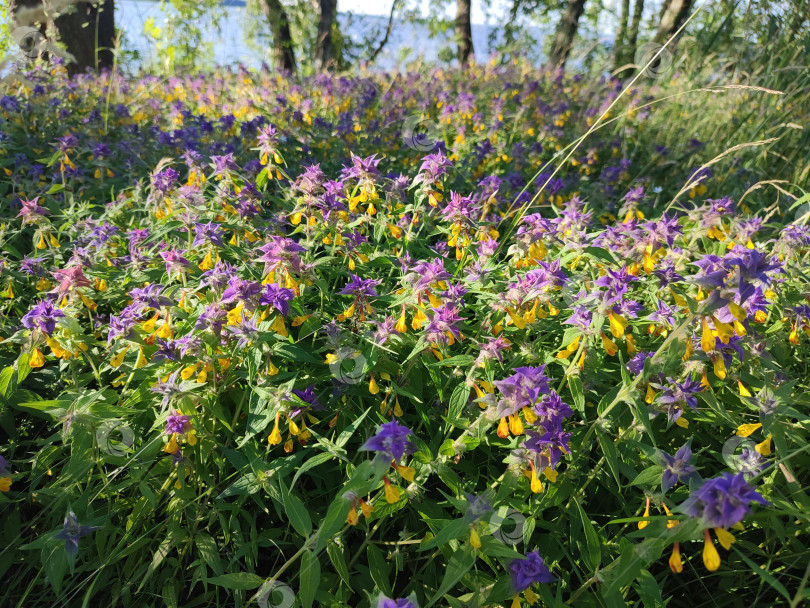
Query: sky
x=383 y=7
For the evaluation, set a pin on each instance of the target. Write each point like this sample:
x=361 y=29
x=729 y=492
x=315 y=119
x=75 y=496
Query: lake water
x=230 y=46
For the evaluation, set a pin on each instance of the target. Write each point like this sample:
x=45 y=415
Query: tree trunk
x=283 y=48
x=29 y=13
x=632 y=33
x=323 y=45
x=621 y=36
x=565 y=34
x=673 y=16
x=88 y=32
x=627 y=52
x=464 y=31
x=388 y=31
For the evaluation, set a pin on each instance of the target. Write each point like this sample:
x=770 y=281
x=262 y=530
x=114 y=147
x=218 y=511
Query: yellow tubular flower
x=707 y=340
x=609 y=345
x=675 y=563
x=725 y=537
x=475 y=540
x=711 y=558
x=644 y=524
x=618 y=324
x=275 y=436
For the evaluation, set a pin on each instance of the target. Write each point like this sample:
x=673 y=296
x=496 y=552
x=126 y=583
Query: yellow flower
x=764 y=447
x=392 y=494
x=711 y=558
x=37 y=359
x=675 y=562
x=275 y=436
x=609 y=345
x=744 y=430
x=475 y=540
x=618 y=324
x=725 y=537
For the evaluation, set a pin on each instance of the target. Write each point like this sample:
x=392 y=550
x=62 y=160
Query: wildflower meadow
x=503 y=336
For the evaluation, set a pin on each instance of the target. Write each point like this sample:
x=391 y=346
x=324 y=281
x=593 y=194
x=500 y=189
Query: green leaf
x=456 y=361
x=338 y=560
x=379 y=569
x=209 y=551
x=611 y=455
x=461 y=563
x=458 y=400
x=347 y=433
x=592 y=551
x=447 y=530
x=766 y=576
x=23 y=369
x=577 y=392
x=237 y=580
x=310 y=577
x=5 y=381
x=296 y=512
x=311 y=464
x=650 y=476
x=334 y=520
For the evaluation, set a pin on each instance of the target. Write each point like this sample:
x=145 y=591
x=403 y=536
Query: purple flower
x=522 y=389
x=213 y=318
x=616 y=283
x=636 y=365
x=529 y=570
x=722 y=501
x=676 y=395
x=676 y=468
x=149 y=296
x=178 y=423
x=173 y=387
x=175 y=262
x=165 y=351
x=391 y=441
x=43 y=316
x=218 y=276
x=550 y=446
x=385 y=330
x=387 y=602
x=281 y=250
x=70 y=278
x=31 y=211
x=445 y=319
x=479 y=506
x=308 y=396
x=492 y=349
x=360 y=287
x=163 y=181
x=242 y=291
x=277 y=297
x=71 y=532
x=208 y=232
x=32 y=266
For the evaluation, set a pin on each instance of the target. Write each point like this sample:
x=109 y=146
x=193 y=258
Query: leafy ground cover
x=401 y=340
